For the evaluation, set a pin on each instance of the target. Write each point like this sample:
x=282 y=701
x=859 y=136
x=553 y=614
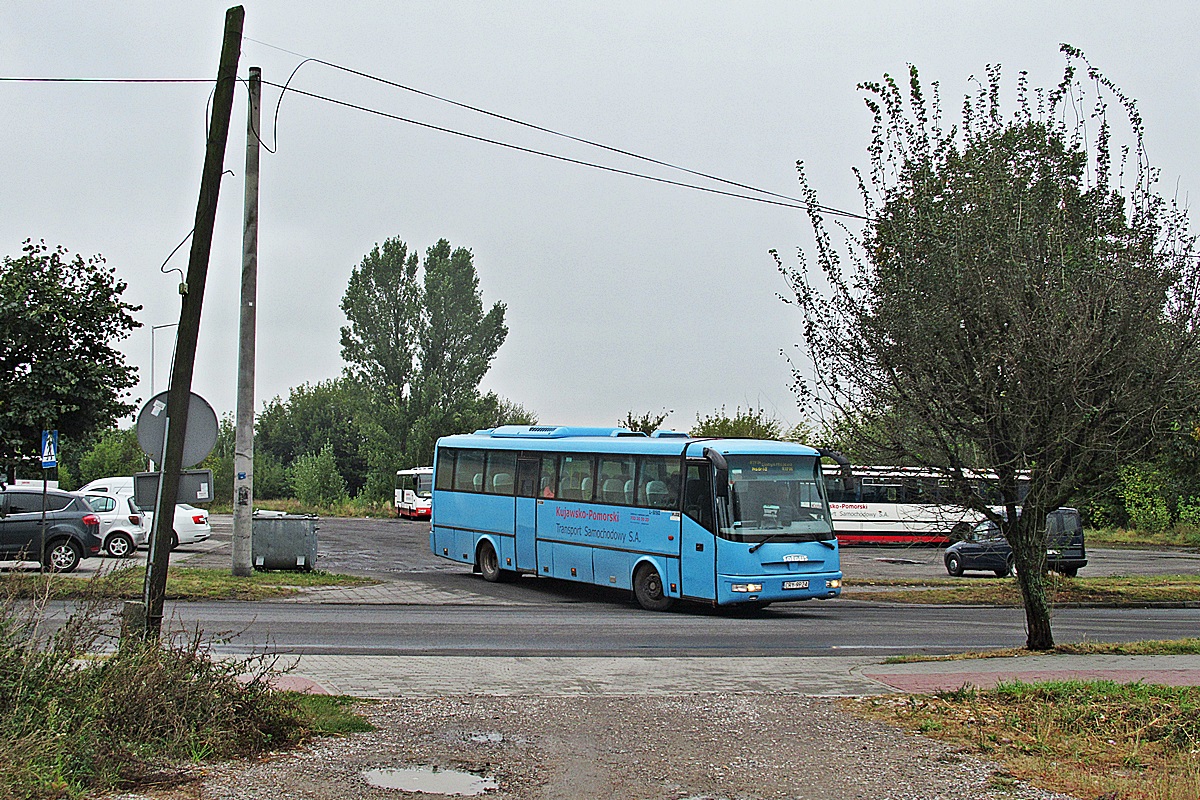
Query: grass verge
x=183 y=583
x=1178 y=536
x=1004 y=592
x=1088 y=739
x=1150 y=647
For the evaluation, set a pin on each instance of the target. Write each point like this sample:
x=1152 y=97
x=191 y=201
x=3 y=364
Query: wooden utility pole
x=179 y=393
x=243 y=449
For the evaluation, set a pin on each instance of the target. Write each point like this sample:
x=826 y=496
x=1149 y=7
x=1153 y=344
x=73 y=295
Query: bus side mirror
x=721 y=479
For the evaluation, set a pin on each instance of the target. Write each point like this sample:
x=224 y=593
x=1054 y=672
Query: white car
x=122 y=524
x=190 y=526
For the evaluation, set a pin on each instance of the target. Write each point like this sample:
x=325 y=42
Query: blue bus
x=666 y=516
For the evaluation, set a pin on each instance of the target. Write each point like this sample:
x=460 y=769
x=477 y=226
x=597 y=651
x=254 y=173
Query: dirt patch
x=698 y=747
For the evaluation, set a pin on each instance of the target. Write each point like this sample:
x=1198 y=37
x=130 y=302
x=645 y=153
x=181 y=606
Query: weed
x=83 y=713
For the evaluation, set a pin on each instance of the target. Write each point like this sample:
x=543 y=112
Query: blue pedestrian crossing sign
x=49 y=449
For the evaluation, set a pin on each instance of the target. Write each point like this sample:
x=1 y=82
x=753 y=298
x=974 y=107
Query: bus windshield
x=425 y=485
x=776 y=497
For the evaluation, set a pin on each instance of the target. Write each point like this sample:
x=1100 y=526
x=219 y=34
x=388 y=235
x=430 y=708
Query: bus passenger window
x=615 y=473
x=501 y=471
x=549 y=476
x=575 y=482
x=468 y=471
x=658 y=482
x=445 y=469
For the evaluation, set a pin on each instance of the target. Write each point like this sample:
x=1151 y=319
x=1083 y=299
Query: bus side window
x=575 y=483
x=501 y=472
x=658 y=482
x=549 y=481
x=468 y=471
x=445 y=469
x=615 y=473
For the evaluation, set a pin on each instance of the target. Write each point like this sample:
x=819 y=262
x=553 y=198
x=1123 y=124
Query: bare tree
x=1015 y=301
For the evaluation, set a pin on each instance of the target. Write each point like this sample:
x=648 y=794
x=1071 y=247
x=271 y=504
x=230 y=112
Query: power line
x=784 y=201
x=105 y=80
x=552 y=132
x=800 y=204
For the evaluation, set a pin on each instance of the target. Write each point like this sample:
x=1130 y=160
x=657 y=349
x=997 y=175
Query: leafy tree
x=753 y=423
x=419 y=343
x=220 y=460
x=647 y=423
x=314 y=415
x=1016 y=301
x=113 y=452
x=59 y=317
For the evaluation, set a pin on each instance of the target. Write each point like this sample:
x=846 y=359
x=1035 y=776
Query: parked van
x=986 y=549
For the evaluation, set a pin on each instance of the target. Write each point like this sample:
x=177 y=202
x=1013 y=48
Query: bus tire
x=648 y=589
x=488 y=562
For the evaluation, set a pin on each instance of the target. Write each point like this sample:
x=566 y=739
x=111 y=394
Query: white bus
x=414 y=492
x=900 y=505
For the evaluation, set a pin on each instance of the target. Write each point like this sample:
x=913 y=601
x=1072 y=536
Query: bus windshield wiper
x=764 y=541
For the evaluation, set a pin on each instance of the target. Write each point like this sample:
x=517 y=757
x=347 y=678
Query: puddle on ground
x=490 y=737
x=430 y=780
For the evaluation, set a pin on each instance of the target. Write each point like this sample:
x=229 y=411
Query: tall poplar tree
x=419 y=342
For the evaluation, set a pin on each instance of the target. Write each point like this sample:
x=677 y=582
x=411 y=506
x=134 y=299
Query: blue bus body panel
x=604 y=544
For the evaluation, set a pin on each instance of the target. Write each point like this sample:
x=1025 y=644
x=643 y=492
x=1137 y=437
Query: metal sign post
x=49 y=462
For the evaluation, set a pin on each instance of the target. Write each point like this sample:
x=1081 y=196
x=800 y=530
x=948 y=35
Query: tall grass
x=81 y=713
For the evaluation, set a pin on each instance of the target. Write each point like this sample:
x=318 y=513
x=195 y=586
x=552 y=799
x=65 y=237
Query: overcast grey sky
x=622 y=294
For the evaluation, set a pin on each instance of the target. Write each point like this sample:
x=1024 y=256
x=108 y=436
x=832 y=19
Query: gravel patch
x=681 y=747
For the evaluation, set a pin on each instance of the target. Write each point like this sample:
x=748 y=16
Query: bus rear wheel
x=489 y=563
x=648 y=589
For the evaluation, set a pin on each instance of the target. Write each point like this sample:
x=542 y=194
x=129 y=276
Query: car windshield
x=780 y=498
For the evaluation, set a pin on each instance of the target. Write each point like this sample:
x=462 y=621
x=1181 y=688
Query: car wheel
x=120 y=545
x=174 y=540
x=488 y=562
x=1010 y=568
x=63 y=555
x=1069 y=572
x=954 y=564
x=648 y=589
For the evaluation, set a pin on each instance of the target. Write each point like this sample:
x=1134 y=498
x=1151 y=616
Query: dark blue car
x=985 y=549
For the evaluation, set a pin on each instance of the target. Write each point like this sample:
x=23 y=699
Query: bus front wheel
x=489 y=563
x=648 y=589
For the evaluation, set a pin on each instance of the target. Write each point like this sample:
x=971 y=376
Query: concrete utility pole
x=179 y=393
x=243 y=450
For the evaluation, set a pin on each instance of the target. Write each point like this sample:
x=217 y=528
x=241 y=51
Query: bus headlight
x=835 y=584
x=746 y=587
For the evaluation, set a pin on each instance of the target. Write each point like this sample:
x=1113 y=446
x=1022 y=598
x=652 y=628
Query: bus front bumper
x=778 y=588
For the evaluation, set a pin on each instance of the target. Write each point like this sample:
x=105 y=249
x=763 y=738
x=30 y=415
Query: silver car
x=122 y=524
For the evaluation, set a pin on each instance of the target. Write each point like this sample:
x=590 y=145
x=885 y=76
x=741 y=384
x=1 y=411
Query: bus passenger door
x=525 y=526
x=698 y=556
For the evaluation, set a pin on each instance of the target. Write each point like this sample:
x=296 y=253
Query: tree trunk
x=1031 y=579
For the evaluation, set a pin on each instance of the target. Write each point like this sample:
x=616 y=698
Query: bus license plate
x=795 y=584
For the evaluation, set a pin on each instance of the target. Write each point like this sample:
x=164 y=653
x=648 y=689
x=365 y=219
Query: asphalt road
x=538 y=617
x=607 y=629
x=391 y=547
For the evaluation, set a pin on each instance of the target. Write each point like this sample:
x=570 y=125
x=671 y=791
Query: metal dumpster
x=284 y=541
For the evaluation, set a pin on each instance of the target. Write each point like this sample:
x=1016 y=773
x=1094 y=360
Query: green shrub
x=315 y=478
